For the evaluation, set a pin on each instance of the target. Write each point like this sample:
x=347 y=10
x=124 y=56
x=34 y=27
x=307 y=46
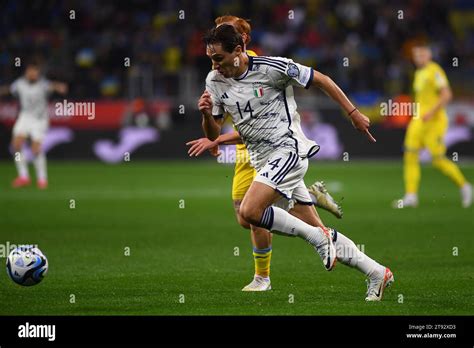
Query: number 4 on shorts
x=274 y=163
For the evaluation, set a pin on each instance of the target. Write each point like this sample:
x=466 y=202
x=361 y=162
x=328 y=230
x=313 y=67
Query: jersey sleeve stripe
x=272 y=65
x=278 y=62
x=261 y=61
x=310 y=80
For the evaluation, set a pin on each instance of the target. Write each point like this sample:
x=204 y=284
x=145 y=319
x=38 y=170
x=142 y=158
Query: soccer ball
x=27 y=265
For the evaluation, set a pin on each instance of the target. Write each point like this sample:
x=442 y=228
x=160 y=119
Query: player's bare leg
x=40 y=165
x=262 y=252
x=23 y=178
x=261 y=238
x=256 y=209
x=379 y=277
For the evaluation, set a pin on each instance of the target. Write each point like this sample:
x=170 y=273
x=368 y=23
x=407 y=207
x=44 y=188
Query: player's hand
x=198 y=146
x=362 y=123
x=60 y=87
x=205 y=104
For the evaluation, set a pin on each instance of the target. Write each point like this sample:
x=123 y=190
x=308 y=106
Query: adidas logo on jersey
x=224 y=96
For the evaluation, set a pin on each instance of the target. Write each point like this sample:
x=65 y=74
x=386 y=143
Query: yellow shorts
x=244 y=173
x=428 y=135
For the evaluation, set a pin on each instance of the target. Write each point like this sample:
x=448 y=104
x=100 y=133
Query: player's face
x=224 y=62
x=32 y=73
x=421 y=56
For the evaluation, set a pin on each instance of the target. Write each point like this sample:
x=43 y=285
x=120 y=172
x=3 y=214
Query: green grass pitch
x=190 y=250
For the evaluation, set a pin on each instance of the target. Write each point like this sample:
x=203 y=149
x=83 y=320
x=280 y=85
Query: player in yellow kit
x=243 y=177
x=428 y=129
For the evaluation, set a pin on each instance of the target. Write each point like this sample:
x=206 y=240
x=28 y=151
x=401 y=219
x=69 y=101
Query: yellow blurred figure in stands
x=428 y=129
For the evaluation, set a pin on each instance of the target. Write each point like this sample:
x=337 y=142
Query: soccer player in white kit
x=32 y=123
x=253 y=91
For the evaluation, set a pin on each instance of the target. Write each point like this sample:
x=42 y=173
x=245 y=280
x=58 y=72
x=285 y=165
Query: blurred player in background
x=32 y=123
x=428 y=129
x=244 y=174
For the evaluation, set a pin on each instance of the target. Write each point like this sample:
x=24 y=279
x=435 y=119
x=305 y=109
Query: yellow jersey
x=426 y=85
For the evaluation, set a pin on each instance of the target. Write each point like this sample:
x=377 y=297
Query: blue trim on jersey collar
x=248 y=69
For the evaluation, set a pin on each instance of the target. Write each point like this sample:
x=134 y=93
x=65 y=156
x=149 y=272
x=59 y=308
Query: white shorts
x=31 y=127
x=284 y=172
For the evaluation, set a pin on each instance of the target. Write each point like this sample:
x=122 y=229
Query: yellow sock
x=411 y=171
x=262 y=258
x=450 y=169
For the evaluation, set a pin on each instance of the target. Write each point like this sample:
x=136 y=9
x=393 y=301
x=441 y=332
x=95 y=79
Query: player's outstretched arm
x=231 y=138
x=198 y=146
x=359 y=120
x=59 y=87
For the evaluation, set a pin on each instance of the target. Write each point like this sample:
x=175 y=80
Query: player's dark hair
x=226 y=35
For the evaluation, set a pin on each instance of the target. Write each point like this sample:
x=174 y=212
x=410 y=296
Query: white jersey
x=262 y=106
x=33 y=97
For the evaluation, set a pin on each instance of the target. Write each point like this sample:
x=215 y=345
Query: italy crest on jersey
x=258 y=90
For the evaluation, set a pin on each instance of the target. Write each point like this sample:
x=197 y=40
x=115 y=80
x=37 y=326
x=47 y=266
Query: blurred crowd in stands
x=364 y=45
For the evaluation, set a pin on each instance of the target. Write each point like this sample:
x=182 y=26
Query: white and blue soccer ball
x=27 y=265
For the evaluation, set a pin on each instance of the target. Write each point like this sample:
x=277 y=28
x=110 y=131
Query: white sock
x=313 y=198
x=21 y=164
x=40 y=166
x=349 y=255
x=278 y=220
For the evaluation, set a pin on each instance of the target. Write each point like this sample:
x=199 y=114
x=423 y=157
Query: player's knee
x=242 y=222
x=36 y=149
x=239 y=217
x=251 y=214
x=16 y=147
x=17 y=144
